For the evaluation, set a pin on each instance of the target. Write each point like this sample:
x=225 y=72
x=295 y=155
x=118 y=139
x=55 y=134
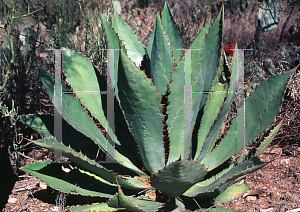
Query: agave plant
x=163 y=148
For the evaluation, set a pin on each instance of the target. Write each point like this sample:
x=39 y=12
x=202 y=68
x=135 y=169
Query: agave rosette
x=154 y=150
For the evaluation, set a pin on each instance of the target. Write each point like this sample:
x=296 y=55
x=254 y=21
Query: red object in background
x=226 y=50
x=231 y=49
x=286 y=35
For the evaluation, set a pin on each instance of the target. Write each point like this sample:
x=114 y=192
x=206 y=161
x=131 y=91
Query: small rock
x=267 y=210
x=55 y=208
x=294 y=210
x=12 y=200
x=43 y=185
x=277 y=151
x=284 y=161
x=251 y=198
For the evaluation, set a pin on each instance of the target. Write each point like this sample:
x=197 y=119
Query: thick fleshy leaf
x=82 y=75
x=132 y=204
x=113 y=45
x=213 y=52
x=203 y=73
x=211 y=112
x=175 y=109
x=213 y=185
x=84 y=163
x=212 y=43
x=178 y=177
x=199 y=71
x=133 y=44
x=74 y=182
x=98 y=207
x=231 y=192
x=44 y=124
x=150 y=42
x=142 y=110
x=83 y=78
x=172 y=32
x=79 y=142
x=162 y=62
x=268 y=140
x=73 y=113
x=216 y=127
x=175 y=112
x=269 y=96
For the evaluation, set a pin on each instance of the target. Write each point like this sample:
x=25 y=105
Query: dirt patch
x=276 y=185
